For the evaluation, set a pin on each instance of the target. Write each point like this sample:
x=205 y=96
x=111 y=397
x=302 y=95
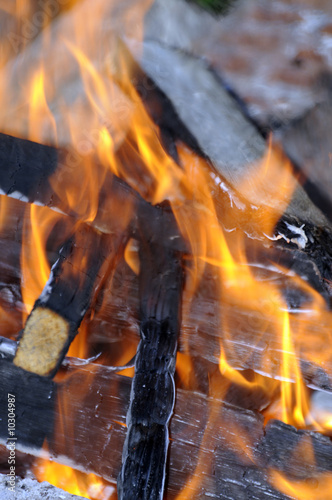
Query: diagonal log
x=58 y=312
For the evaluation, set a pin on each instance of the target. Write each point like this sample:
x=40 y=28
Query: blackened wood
x=73 y=277
x=114 y=328
x=205 y=454
x=37 y=174
x=25 y=169
x=7 y=348
x=57 y=314
x=29 y=171
x=152 y=393
x=33 y=398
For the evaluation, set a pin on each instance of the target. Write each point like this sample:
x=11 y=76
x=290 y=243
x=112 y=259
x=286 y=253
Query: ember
x=165 y=307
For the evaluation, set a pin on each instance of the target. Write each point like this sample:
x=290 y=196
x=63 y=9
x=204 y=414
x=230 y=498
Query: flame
x=76 y=96
x=78 y=348
x=74 y=482
x=41 y=121
x=38 y=225
x=318 y=487
x=5 y=207
x=131 y=256
x=295 y=401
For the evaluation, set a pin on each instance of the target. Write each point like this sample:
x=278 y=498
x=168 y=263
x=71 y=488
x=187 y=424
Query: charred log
x=57 y=314
x=33 y=399
x=204 y=432
x=153 y=391
x=49 y=330
x=115 y=327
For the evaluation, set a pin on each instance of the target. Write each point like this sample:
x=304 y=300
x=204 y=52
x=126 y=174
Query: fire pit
x=166 y=265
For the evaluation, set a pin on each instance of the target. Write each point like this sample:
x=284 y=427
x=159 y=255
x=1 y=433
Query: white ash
x=30 y=489
x=300 y=238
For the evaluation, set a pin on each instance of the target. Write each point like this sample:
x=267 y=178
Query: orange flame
x=131 y=256
x=318 y=487
x=74 y=482
x=96 y=123
x=38 y=225
x=295 y=401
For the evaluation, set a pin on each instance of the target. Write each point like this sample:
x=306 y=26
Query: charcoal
x=143 y=471
x=33 y=398
x=153 y=396
x=153 y=390
x=205 y=433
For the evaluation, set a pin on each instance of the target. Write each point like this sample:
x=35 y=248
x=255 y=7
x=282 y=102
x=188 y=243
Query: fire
x=41 y=120
x=75 y=482
x=291 y=371
x=38 y=225
x=319 y=487
x=131 y=256
x=104 y=116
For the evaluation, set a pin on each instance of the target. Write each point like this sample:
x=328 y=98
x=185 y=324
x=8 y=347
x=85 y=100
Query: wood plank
x=206 y=459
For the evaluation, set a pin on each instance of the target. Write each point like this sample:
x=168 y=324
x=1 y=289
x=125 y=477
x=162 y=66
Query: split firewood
x=58 y=312
x=50 y=329
x=153 y=391
x=216 y=451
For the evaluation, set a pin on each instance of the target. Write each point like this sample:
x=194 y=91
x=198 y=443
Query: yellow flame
x=317 y=487
x=295 y=404
x=131 y=256
x=41 y=119
x=74 y=482
x=38 y=225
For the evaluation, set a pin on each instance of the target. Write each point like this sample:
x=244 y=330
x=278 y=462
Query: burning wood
x=57 y=314
x=255 y=296
x=152 y=392
x=207 y=456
